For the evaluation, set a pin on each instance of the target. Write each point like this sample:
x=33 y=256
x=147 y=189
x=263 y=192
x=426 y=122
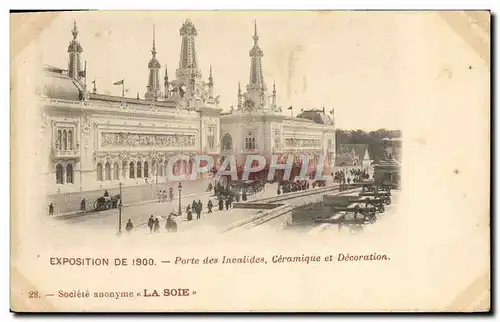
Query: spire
x=210 y=84
x=273 y=97
x=94 y=90
x=154 y=45
x=166 y=83
x=74 y=53
x=75 y=30
x=256 y=87
x=255 y=35
x=153 y=87
x=239 y=95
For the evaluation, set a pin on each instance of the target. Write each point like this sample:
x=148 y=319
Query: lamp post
x=179 y=212
x=120 y=206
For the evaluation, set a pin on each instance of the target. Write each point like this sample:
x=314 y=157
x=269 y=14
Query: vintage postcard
x=250 y=161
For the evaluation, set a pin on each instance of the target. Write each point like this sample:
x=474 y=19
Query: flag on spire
x=290 y=107
x=120 y=82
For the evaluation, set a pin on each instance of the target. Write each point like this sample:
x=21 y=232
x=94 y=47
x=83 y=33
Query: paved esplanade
x=139 y=214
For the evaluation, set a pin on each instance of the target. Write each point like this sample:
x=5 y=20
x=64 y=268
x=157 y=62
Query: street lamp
x=120 y=206
x=179 y=212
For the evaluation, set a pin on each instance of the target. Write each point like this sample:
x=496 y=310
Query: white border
x=164 y=5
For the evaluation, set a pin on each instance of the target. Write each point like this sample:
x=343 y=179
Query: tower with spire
x=74 y=52
x=153 y=87
x=188 y=85
x=256 y=88
x=188 y=75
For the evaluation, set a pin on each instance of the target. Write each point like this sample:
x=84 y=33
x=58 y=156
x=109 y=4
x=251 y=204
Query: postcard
x=250 y=161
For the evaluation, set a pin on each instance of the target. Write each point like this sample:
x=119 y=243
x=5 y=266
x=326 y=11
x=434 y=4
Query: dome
x=317 y=116
x=60 y=86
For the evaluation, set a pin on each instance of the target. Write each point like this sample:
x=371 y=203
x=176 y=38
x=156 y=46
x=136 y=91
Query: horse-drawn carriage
x=384 y=195
x=376 y=202
x=353 y=216
x=106 y=202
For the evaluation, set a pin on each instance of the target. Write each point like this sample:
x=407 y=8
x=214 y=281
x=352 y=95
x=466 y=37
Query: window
x=131 y=170
x=69 y=173
x=160 y=168
x=124 y=169
x=107 y=171
x=211 y=138
x=277 y=143
x=139 y=170
x=65 y=141
x=146 y=169
x=154 y=169
x=59 y=174
x=227 y=142
x=70 y=140
x=58 y=142
x=99 y=172
x=250 y=141
x=116 y=174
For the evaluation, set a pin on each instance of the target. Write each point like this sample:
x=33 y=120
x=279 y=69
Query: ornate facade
x=95 y=141
x=258 y=126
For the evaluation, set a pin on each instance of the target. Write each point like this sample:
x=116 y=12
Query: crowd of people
x=351 y=176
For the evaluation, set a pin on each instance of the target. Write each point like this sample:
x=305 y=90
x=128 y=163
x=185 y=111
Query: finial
x=75 y=30
x=274 y=86
x=255 y=36
x=239 y=87
x=210 y=71
x=154 y=44
x=166 y=72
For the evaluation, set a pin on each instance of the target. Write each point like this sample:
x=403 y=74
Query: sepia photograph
x=236 y=161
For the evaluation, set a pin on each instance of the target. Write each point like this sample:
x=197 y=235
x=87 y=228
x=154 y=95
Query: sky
x=347 y=60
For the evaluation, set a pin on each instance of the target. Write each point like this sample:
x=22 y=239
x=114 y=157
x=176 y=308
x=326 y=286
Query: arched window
x=59 y=174
x=69 y=173
x=154 y=169
x=99 y=172
x=64 y=141
x=131 y=170
x=146 y=169
x=58 y=142
x=107 y=171
x=226 y=142
x=124 y=169
x=116 y=174
x=160 y=168
x=139 y=170
x=70 y=140
x=165 y=168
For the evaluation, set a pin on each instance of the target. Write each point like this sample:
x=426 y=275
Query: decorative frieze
x=153 y=140
x=292 y=142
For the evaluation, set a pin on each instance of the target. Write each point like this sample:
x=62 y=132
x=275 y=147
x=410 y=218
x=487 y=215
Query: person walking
x=129 y=226
x=210 y=205
x=157 y=225
x=199 y=207
x=151 y=223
